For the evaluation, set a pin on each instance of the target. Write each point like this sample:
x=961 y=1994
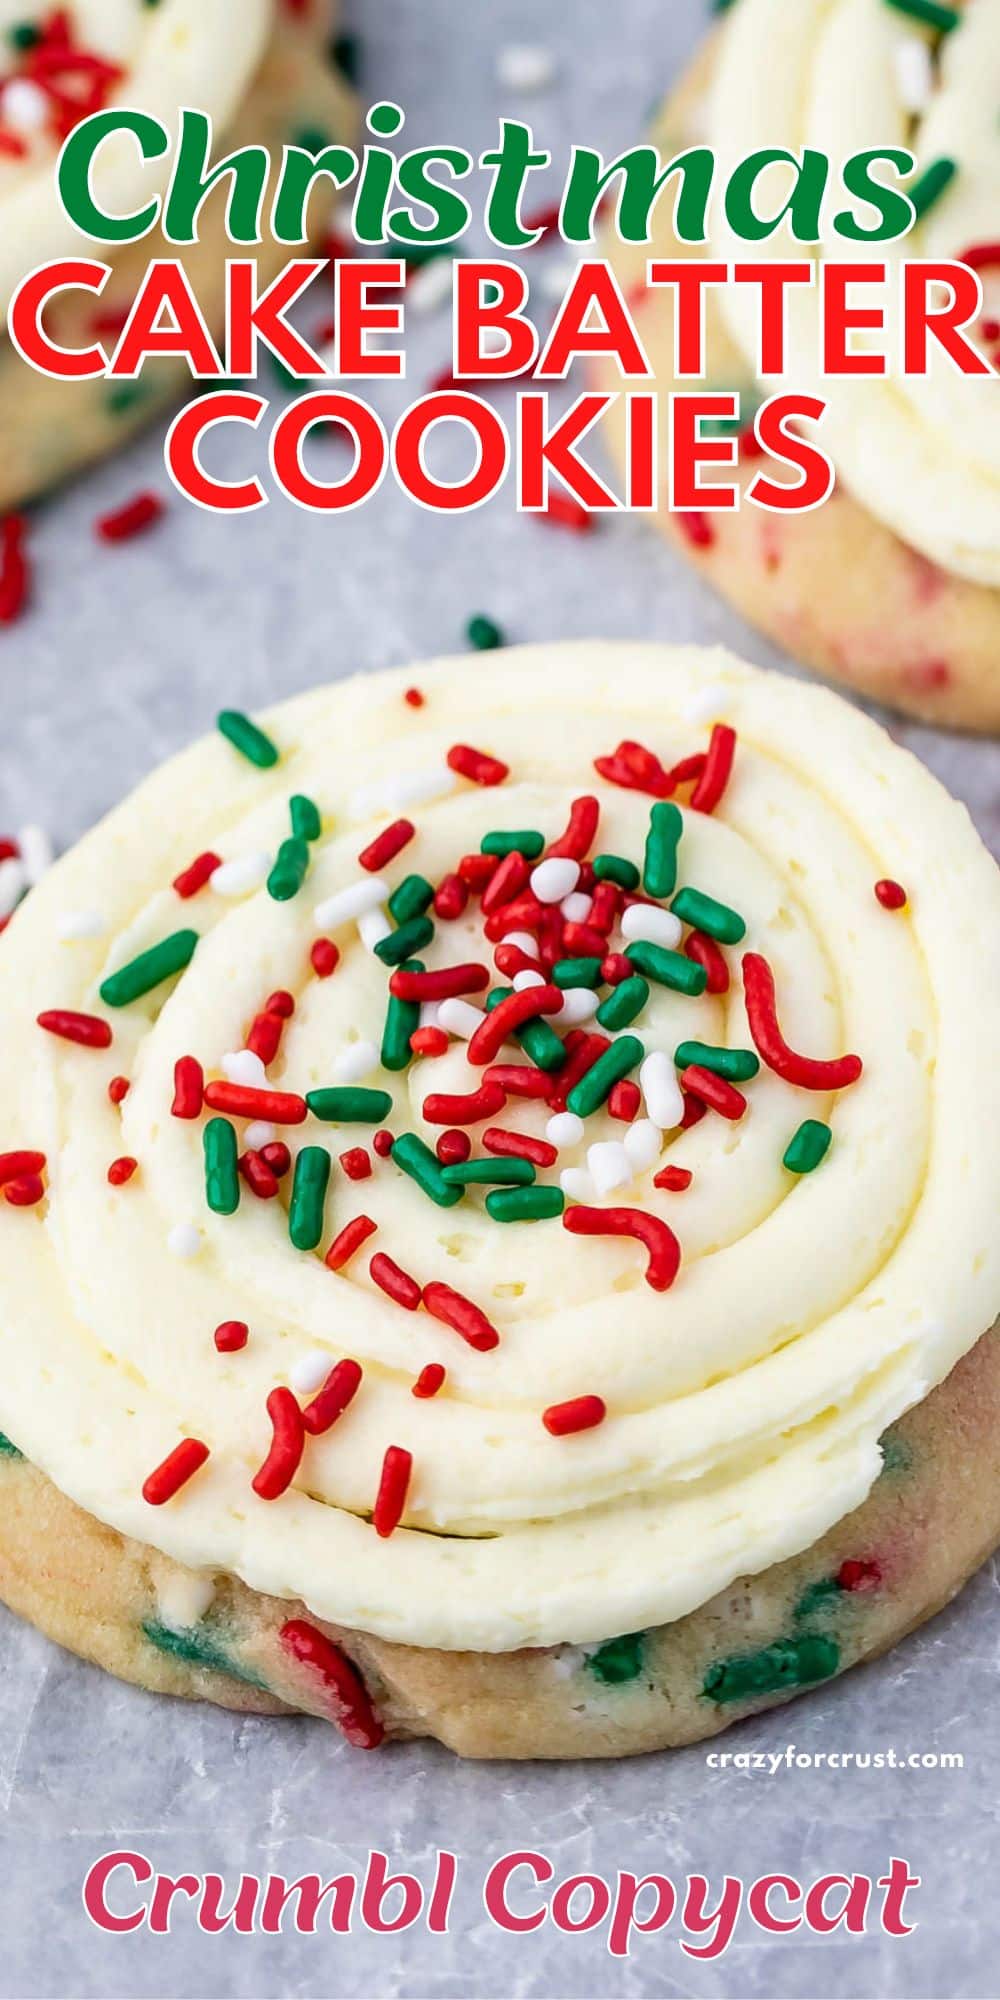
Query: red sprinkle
x=414 y=698
x=193 y=878
x=581 y=830
x=393 y=1486
x=475 y=870
x=615 y=967
x=85 y=1029
x=429 y=1381
x=118 y=1089
x=231 y=1335
x=244 y=1100
x=260 y=1178
x=324 y=957
x=713 y=1090
x=453 y=1148
x=442 y=1108
x=718 y=765
x=624 y=1100
x=350 y=1705
x=519 y=1079
x=277 y=1156
x=448 y=984
x=581 y=1413
x=24 y=1191
x=121 y=1170
x=981 y=256
x=429 y=1042
x=189 y=1088
x=349 y=1240
x=15 y=570
x=382 y=1144
x=694 y=1111
x=281 y=1003
x=177 y=1468
x=476 y=765
x=525 y=913
x=697 y=527
x=506 y=882
x=636 y=769
x=330 y=1402
x=287 y=1445
x=660 y=1241
x=13 y=1165
x=856 y=1574
x=605 y=906
x=451 y=897
x=395 y=1282
x=506 y=1018
x=705 y=952
x=583 y=1051
x=891 y=895
x=809 y=1074
x=461 y=1315
x=510 y=959
x=386 y=845
x=674 y=1179
x=132 y=519
x=265 y=1037
x=562 y=512
x=519 y=1146
x=356 y=1163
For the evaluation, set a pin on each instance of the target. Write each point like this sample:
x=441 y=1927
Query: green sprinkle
x=527 y=1204
x=123 y=396
x=667 y=968
x=483 y=634
x=150 y=969
x=809 y=1146
x=624 y=1003
x=346 y=52
x=307 y=823
x=484 y=1173
x=24 y=35
x=349 y=1106
x=615 y=868
x=705 y=914
x=524 y=840
x=659 y=869
x=222 y=1180
x=311 y=138
x=402 y=1018
x=245 y=737
x=788 y=1663
x=736 y=1065
x=291 y=866
x=410 y=937
x=576 y=972
x=542 y=1044
x=619 y=1660
x=817 y=1597
x=412 y=898
x=897 y=1455
x=7 y=1449
x=944 y=19
x=423 y=1166
x=308 y=1197
x=197 y=1647
x=930 y=185
x=601 y=1078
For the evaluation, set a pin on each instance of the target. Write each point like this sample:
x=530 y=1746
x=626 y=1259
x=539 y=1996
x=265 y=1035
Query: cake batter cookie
x=498 y=1221
x=893 y=585
x=261 y=71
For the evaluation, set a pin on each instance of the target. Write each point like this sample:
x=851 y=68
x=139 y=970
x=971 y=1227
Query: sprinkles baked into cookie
x=262 y=71
x=498 y=1235
x=893 y=585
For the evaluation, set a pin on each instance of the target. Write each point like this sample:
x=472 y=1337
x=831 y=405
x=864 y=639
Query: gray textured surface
x=127 y=655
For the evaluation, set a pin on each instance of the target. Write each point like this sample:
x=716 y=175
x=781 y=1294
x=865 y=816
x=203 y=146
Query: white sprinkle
x=183 y=1598
x=430 y=287
x=642 y=920
x=643 y=1142
x=577 y=1185
x=661 y=1090
x=430 y=1013
x=522 y=980
x=405 y=788
x=259 y=1134
x=36 y=853
x=373 y=926
x=184 y=1240
x=309 y=1372
x=525 y=66
x=356 y=1059
x=564 y=1129
x=609 y=1165
x=567 y=1661
x=240 y=876
x=524 y=942
x=365 y=894
x=73 y=924
x=576 y=909
x=13 y=883
x=555 y=878
x=706 y=703
x=914 y=73
x=243 y=1066
x=459 y=1017
x=26 y=107
x=579 y=1004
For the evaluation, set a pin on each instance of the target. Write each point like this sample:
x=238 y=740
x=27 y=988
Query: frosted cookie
x=260 y=71
x=498 y=1235
x=893 y=586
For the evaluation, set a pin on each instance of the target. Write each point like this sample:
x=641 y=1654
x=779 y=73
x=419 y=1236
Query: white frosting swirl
x=922 y=453
x=745 y=1405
